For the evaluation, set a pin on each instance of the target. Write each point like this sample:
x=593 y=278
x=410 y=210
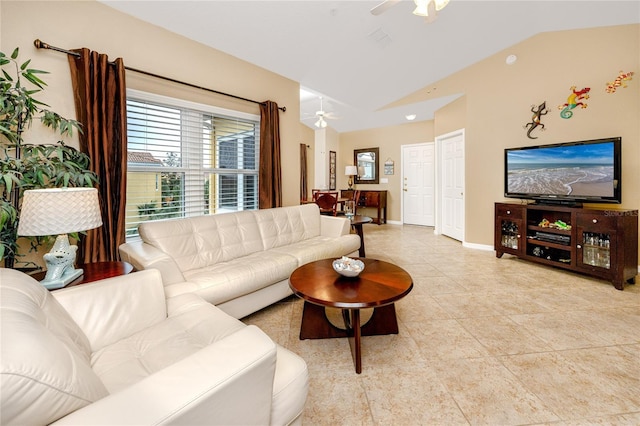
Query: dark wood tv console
x=600 y=243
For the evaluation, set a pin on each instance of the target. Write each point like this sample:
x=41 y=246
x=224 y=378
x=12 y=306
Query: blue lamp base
x=60 y=264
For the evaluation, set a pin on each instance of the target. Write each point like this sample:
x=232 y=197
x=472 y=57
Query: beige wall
x=451 y=117
x=496 y=105
x=74 y=24
x=498 y=100
x=549 y=64
x=389 y=140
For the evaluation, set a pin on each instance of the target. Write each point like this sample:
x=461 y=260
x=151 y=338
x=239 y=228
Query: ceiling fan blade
x=382 y=7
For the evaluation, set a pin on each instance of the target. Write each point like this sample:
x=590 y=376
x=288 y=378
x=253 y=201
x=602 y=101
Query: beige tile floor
x=483 y=341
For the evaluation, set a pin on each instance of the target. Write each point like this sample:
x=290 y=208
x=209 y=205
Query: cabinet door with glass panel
x=596 y=238
x=509 y=229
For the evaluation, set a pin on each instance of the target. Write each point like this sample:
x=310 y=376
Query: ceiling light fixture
x=423 y=6
x=321 y=123
x=410 y=117
x=320 y=114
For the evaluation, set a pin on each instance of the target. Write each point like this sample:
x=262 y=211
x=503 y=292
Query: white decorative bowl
x=348 y=267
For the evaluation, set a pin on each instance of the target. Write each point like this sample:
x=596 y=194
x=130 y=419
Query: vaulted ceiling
x=360 y=63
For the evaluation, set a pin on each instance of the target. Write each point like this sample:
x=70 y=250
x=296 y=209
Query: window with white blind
x=187 y=159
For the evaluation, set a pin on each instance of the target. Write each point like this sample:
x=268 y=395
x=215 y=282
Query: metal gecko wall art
x=536 y=119
x=620 y=81
x=574 y=100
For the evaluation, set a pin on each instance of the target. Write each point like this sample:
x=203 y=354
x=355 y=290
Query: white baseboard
x=477 y=246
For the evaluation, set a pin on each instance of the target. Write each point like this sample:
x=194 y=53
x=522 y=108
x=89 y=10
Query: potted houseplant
x=24 y=166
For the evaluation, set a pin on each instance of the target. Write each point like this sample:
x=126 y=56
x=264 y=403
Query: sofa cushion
x=287 y=225
x=192 y=324
x=224 y=281
x=46 y=374
x=115 y=308
x=197 y=242
x=320 y=248
x=291 y=380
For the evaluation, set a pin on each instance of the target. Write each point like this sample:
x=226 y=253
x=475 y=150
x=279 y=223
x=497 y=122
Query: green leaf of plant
x=25 y=65
x=40 y=177
x=14 y=55
x=35 y=80
x=6 y=75
x=34 y=71
x=8 y=182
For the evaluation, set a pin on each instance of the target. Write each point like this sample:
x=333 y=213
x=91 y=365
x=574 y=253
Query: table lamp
x=351 y=171
x=59 y=211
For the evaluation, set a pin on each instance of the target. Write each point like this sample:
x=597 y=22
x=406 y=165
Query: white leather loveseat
x=118 y=352
x=240 y=262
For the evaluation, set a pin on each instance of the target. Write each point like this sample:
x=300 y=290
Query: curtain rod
x=42 y=45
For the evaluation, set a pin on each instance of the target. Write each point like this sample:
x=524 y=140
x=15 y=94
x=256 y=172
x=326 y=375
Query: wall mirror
x=367 y=162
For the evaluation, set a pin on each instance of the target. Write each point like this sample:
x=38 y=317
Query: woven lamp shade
x=55 y=211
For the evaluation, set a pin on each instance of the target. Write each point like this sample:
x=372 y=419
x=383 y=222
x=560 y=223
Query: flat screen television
x=568 y=173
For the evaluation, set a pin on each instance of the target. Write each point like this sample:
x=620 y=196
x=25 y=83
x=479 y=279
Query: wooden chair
x=328 y=202
x=314 y=193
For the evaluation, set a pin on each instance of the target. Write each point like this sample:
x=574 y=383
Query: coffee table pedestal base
x=315 y=325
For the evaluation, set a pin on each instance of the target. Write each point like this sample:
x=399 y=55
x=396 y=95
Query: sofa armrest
x=115 y=308
x=332 y=226
x=230 y=382
x=145 y=256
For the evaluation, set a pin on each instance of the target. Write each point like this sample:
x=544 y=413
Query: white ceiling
x=359 y=63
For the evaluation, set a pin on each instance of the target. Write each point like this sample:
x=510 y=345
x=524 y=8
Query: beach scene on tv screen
x=571 y=170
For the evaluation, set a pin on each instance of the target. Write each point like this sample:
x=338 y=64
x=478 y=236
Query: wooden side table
x=356 y=223
x=94 y=272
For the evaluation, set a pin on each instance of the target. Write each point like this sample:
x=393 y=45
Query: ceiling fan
x=426 y=8
x=322 y=117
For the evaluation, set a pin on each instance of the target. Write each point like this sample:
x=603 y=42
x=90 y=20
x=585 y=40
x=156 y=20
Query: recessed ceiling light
x=511 y=59
x=410 y=117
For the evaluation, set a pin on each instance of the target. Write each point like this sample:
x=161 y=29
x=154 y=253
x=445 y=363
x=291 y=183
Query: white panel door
x=418 y=188
x=452 y=183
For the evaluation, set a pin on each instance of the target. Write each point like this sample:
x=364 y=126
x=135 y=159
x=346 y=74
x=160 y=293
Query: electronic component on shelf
x=553 y=238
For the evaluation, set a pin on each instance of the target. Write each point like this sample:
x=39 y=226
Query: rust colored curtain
x=270 y=164
x=304 y=185
x=100 y=99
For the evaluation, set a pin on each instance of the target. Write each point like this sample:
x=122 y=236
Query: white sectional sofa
x=117 y=352
x=240 y=262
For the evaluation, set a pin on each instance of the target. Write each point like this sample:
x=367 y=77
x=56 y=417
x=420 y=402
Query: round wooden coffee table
x=378 y=286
